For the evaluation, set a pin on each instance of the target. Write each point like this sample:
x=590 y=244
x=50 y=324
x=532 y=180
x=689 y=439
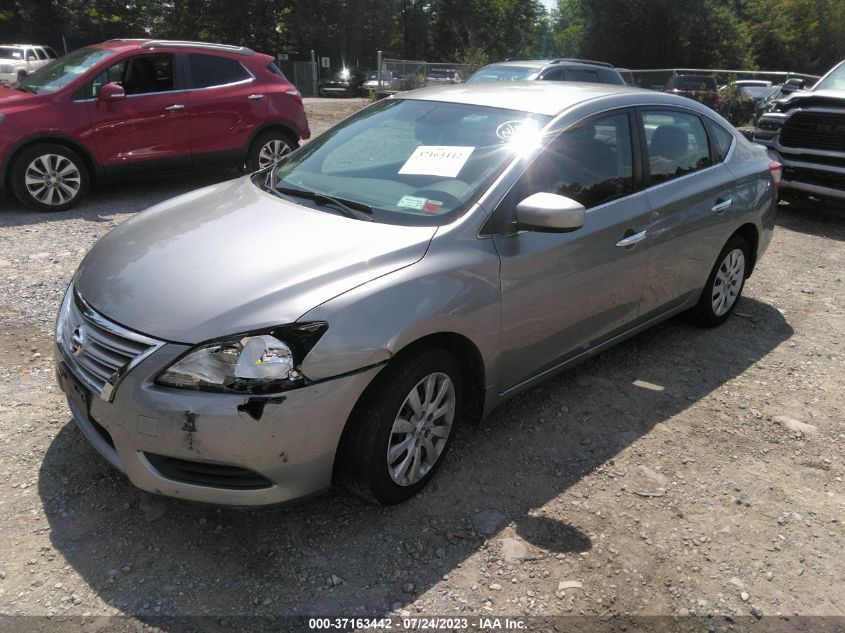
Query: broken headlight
x=251 y=364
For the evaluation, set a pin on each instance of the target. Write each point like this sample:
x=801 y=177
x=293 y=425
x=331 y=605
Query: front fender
x=454 y=288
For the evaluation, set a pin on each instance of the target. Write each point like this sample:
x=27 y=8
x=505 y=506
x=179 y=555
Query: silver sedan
x=335 y=317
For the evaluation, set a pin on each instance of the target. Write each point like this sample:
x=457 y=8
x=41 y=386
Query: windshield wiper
x=31 y=91
x=346 y=207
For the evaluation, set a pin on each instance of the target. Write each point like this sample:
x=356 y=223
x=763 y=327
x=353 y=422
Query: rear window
x=503 y=73
x=273 y=68
x=7 y=52
x=210 y=70
x=581 y=74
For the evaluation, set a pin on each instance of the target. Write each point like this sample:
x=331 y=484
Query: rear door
x=149 y=127
x=691 y=193
x=225 y=104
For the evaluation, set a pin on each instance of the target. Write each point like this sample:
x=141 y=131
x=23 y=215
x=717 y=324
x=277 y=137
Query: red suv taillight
x=776 y=170
x=293 y=92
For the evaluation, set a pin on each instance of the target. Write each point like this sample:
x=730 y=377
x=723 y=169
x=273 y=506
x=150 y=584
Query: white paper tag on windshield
x=437 y=160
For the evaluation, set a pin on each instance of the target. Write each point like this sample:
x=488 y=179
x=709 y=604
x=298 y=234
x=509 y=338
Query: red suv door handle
x=175 y=107
x=255 y=97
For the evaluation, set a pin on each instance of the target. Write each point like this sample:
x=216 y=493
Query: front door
x=563 y=293
x=148 y=127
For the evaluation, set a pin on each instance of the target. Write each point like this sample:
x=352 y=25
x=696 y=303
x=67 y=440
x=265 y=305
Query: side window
x=40 y=53
x=31 y=56
x=722 y=140
x=590 y=162
x=677 y=144
x=580 y=74
x=143 y=74
x=50 y=53
x=209 y=70
x=555 y=75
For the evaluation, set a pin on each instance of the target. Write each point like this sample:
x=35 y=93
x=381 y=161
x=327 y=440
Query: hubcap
x=52 y=179
x=728 y=281
x=272 y=152
x=421 y=429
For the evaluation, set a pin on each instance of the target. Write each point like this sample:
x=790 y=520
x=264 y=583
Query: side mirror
x=550 y=213
x=111 y=92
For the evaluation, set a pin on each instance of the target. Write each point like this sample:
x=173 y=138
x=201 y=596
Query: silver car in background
x=334 y=318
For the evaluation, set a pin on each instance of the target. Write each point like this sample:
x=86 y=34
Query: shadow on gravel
x=152 y=557
x=814 y=217
x=125 y=195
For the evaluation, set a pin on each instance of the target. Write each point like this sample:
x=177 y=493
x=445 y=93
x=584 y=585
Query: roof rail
x=582 y=61
x=228 y=48
x=520 y=59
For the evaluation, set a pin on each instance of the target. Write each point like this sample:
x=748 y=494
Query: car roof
x=137 y=43
x=538 y=97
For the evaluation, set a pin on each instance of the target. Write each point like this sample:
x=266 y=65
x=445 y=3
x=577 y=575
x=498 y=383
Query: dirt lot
x=683 y=473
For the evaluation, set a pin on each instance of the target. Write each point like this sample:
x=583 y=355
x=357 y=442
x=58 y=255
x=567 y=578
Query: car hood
x=11 y=97
x=813 y=98
x=232 y=258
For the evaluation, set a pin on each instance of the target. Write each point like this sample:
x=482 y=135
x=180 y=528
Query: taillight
x=718 y=100
x=776 y=170
x=293 y=92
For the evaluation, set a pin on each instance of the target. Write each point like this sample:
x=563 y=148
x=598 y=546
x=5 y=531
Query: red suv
x=128 y=105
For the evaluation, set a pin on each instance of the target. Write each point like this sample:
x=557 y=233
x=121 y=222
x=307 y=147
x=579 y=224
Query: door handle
x=722 y=206
x=636 y=238
x=175 y=107
x=255 y=97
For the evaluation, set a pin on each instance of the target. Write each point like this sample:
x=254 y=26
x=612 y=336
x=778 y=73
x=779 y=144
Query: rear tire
x=49 y=177
x=394 y=443
x=724 y=285
x=268 y=148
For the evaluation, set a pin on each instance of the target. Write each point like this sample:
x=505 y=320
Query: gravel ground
x=685 y=472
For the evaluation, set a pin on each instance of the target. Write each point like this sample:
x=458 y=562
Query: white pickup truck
x=18 y=60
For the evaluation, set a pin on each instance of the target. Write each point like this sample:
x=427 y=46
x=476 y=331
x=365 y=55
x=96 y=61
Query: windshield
x=8 y=52
x=61 y=72
x=834 y=81
x=412 y=162
x=503 y=73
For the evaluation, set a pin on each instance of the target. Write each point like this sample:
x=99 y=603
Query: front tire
x=269 y=148
x=724 y=285
x=49 y=177
x=400 y=433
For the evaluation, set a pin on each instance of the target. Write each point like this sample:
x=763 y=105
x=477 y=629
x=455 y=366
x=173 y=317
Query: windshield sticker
x=432 y=206
x=437 y=160
x=507 y=130
x=412 y=202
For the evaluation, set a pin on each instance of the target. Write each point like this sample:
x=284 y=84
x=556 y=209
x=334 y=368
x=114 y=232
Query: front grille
x=815 y=177
x=207 y=474
x=97 y=351
x=815 y=130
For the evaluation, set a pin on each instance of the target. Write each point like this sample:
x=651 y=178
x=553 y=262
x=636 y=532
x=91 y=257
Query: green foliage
x=798 y=35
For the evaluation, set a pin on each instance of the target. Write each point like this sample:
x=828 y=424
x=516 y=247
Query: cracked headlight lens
x=252 y=364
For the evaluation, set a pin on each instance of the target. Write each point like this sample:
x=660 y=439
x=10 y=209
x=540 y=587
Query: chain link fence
x=397 y=75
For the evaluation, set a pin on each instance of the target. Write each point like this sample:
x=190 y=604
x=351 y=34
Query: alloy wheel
x=421 y=429
x=272 y=152
x=52 y=179
x=728 y=281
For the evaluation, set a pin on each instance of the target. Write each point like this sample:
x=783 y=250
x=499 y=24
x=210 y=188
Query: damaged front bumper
x=217 y=448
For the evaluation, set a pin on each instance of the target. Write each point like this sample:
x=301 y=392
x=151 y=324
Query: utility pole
x=405 y=26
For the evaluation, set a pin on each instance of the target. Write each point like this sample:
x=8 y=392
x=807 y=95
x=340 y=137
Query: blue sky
x=550 y=4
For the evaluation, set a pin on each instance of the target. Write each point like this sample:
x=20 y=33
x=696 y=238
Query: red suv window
x=210 y=70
